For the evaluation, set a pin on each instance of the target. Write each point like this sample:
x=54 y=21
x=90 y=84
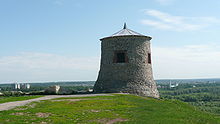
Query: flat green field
x=127 y=109
x=16 y=98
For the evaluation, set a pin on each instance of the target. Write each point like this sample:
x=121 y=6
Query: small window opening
x=149 y=58
x=120 y=57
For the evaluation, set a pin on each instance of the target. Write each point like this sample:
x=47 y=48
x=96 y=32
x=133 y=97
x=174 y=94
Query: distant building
x=17 y=86
x=162 y=86
x=53 y=89
x=158 y=86
x=21 y=86
x=173 y=85
x=28 y=86
x=1 y=94
x=90 y=90
x=25 y=86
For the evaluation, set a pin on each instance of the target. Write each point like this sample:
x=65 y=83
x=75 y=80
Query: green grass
x=16 y=98
x=101 y=109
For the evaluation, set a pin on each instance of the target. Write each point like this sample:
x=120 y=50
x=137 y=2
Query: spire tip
x=125 y=26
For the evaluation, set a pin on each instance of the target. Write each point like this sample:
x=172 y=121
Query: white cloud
x=165 y=2
x=74 y=3
x=192 y=61
x=45 y=67
x=166 y=21
x=59 y=2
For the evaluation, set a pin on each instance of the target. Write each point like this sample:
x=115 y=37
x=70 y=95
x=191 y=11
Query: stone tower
x=126 y=65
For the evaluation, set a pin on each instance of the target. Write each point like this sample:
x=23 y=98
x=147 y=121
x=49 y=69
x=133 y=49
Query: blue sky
x=58 y=40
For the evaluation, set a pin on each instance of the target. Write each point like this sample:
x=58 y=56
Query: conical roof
x=126 y=32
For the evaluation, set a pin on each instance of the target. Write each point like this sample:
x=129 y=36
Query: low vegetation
x=117 y=108
x=205 y=96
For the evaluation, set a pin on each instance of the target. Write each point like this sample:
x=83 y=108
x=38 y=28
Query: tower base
x=138 y=88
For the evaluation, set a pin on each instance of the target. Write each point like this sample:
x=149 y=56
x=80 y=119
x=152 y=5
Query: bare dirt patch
x=42 y=115
x=18 y=113
x=71 y=100
x=116 y=120
x=21 y=109
x=95 y=110
x=108 y=121
x=43 y=122
x=102 y=121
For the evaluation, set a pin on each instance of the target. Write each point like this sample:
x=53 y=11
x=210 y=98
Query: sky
x=58 y=40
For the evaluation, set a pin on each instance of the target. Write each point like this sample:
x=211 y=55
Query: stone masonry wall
x=134 y=77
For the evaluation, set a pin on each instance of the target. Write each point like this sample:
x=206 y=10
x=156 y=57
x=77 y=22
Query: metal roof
x=126 y=31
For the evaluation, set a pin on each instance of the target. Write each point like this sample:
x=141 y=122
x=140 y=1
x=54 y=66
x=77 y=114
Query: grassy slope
x=101 y=109
x=16 y=98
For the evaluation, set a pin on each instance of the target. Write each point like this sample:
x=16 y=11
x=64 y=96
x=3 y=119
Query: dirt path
x=11 y=105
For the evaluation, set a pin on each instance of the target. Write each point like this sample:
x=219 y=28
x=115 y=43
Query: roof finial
x=125 y=26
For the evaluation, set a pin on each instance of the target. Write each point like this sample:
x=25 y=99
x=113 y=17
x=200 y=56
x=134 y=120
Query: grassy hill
x=108 y=109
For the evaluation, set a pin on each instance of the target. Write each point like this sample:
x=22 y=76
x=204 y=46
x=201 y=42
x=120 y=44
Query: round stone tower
x=126 y=65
